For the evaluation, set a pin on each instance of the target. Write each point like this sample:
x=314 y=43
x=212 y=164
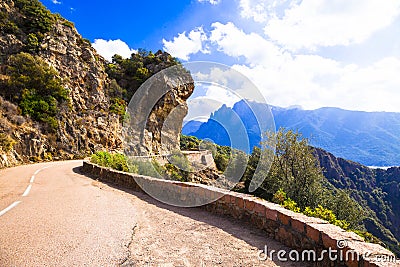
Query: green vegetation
x=38 y=19
x=7 y=25
x=296 y=181
x=35 y=21
x=327 y=215
x=6 y=142
x=294 y=170
x=36 y=87
x=143 y=167
x=376 y=191
x=129 y=74
x=31 y=24
x=295 y=177
x=281 y=198
x=115 y=161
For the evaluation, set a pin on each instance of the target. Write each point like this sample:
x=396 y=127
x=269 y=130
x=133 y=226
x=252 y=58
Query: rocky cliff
x=86 y=114
x=156 y=113
x=84 y=125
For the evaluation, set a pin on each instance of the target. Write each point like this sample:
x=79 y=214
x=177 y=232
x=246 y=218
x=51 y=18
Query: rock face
x=85 y=123
x=156 y=113
x=88 y=126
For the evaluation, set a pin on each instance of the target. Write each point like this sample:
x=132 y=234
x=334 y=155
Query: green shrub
x=221 y=161
x=179 y=160
x=114 y=161
x=36 y=87
x=32 y=42
x=6 y=142
x=38 y=17
x=68 y=24
x=118 y=106
x=281 y=199
x=7 y=26
x=173 y=173
x=291 y=205
x=147 y=168
x=327 y=215
x=368 y=237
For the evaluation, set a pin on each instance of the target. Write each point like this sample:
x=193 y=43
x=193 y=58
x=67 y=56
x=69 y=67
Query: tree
x=295 y=170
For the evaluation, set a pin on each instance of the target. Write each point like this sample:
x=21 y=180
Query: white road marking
x=13 y=205
x=36 y=172
x=26 y=193
x=28 y=189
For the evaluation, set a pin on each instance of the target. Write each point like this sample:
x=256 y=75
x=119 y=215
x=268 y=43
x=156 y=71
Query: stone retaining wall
x=295 y=230
x=204 y=157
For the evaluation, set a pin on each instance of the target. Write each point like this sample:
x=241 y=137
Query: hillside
x=376 y=190
x=42 y=53
x=371 y=138
x=59 y=99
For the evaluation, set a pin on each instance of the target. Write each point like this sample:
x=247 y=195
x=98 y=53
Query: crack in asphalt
x=127 y=261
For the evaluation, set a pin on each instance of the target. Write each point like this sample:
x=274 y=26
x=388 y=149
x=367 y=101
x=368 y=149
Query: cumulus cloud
x=109 y=48
x=262 y=10
x=56 y=2
x=253 y=47
x=212 y=2
x=284 y=58
x=184 y=44
x=314 y=23
x=313 y=81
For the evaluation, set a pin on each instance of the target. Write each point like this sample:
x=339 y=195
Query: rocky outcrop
x=84 y=123
x=87 y=125
x=156 y=113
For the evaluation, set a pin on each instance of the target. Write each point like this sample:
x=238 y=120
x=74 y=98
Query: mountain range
x=371 y=138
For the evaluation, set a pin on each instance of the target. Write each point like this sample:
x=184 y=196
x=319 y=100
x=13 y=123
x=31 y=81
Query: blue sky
x=313 y=53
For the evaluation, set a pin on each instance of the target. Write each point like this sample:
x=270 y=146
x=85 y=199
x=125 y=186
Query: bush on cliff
x=115 y=161
x=36 y=87
x=6 y=143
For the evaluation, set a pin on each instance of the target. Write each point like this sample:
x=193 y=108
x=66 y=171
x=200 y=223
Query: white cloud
x=201 y=107
x=312 y=81
x=212 y=2
x=262 y=10
x=313 y=23
x=184 y=45
x=236 y=43
x=283 y=56
x=56 y=2
x=109 y=48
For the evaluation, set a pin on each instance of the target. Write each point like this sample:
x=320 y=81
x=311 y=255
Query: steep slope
x=372 y=138
x=376 y=190
x=59 y=99
x=82 y=123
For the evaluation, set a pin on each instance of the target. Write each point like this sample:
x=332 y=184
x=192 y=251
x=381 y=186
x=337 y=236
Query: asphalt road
x=51 y=215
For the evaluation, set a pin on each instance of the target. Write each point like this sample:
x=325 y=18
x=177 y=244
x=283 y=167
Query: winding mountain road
x=51 y=215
